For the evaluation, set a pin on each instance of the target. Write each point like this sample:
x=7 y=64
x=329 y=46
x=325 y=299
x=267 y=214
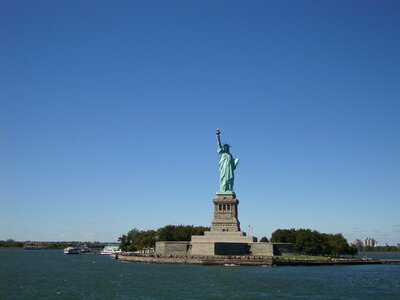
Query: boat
x=85 y=250
x=230 y=265
x=72 y=250
x=110 y=250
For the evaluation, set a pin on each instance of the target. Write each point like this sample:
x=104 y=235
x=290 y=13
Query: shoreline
x=247 y=261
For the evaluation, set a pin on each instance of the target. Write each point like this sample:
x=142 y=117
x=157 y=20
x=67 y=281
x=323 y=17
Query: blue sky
x=108 y=111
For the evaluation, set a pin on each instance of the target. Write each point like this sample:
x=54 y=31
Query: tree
x=353 y=250
x=283 y=236
x=137 y=239
x=307 y=241
x=312 y=242
x=338 y=244
x=179 y=232
x=264 y=240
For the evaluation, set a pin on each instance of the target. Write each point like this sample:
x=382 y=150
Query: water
x=41 y=274
x=380 y=255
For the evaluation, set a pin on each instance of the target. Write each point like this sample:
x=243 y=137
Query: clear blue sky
x=108 y=111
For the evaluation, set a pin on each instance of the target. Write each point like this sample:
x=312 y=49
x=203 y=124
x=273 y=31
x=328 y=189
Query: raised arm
x=219 y=140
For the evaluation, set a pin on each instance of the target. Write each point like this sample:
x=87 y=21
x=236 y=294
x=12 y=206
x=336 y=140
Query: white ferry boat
x=72 y=250
x=109 y=250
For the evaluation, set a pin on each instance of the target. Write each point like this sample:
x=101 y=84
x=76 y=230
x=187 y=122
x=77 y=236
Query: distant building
x=371 y=242
x=358 y=243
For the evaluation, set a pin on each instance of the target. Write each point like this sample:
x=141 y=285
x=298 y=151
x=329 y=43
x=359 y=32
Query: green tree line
x=11 y=244
x=137 y=239
x=312 y=242
x=50 y=245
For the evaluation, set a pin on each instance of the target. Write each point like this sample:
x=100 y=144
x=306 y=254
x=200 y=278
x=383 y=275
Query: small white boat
x=72 y=250
x=230 y=265
x=110 y=250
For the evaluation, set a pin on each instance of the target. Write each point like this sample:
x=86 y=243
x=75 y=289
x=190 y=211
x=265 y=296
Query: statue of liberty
x=227 y=165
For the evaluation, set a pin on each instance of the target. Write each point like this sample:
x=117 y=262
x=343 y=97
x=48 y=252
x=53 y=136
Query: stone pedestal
x=221 y=243
x=225 y=237
x=225 y=213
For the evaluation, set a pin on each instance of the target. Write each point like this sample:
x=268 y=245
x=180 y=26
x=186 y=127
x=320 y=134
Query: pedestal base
x=221 y=243
x=225 y=213
x=225 y=237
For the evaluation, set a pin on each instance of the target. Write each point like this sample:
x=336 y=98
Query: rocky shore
x=241 y=260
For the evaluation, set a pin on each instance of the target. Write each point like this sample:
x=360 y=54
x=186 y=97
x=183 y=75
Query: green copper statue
x=227 y=165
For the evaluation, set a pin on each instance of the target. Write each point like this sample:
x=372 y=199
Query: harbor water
x=49 y=274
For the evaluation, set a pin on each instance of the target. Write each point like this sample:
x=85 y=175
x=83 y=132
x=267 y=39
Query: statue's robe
x=226 y=167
